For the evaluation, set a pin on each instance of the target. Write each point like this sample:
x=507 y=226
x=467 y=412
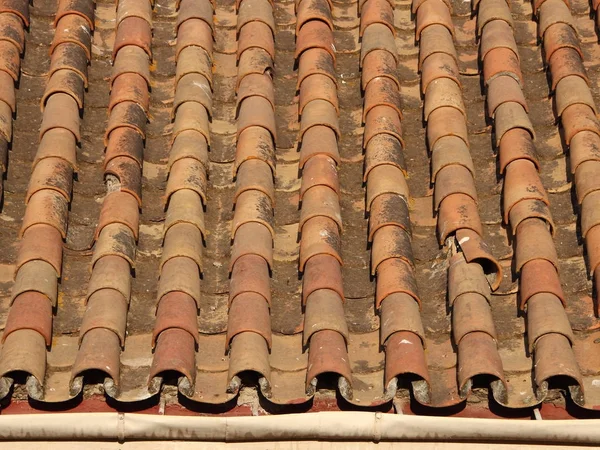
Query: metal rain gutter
x=326 y=426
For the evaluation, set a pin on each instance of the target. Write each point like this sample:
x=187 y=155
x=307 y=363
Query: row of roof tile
x=249 y=322
x=175 y=334
x=550 y=334
x=325 y=328
x=455 y=200
x=29 y=325
x=103 y=329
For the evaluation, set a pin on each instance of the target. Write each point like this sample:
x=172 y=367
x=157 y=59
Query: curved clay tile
x=447 y=151
x=36 y=276
x=572 y=90
x=82 y=8
x=566 y=61
x=194 y=33
x=42 y=242
x=72 y=28
x=106 y=308
x=491 y=10
x=502 y=90
x=70 y=56
x=110 y=273
x=67 y=82
x=313 y=10
x=51 y=173
x=379 y=63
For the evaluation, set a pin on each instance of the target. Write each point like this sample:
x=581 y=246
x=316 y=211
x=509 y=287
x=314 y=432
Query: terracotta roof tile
x=118 y=230
x=491 y=10
x=30 y=311
x=21 y=9
x=46 y=207
x=388 y=209
x=383 y=149
x=66 y=82
x=71 y=57
x=317 y=87
x=586 y=181
x=589 y=212
x=324 y=312
x=560 y=36
x=436 y=39
x=436 y=66
x=315 y=34
x=72 y=28
x=255 y=10
x=313 y=10
x=253 y=206
x=382 y=119
x=252 y=239
x=574 y=107
x=36 y=276
x=497 y=34
x=25 y=350
x=453 y=179
x=433 y=12
x=378 y=11
x=187 y=10
x=516 y=144
x=254 y=85
x=106 y=308
x=315 y=61
x=57 y=143
x=322 y=272
x=42 y=242
x=577 y=118
x=319 y=170
x=80 y=8
x=565 y=62
x=110 y=273
x=377 y=37
x=256 y=35
x=572 y=90
x=584 y=147
x=385 y=179
x=100 y=349
x=194 y=33
x=51 y=173
x=475 y=249
x=405 y=356
x=307 y=200
x=552 y=12
x=502 y=61
x=255 y=143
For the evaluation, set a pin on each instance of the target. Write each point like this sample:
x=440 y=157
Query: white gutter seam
x=121 y=427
